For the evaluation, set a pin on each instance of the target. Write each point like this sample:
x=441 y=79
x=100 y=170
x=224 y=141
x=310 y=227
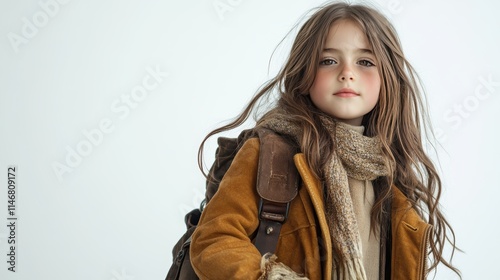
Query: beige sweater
x=363 y=197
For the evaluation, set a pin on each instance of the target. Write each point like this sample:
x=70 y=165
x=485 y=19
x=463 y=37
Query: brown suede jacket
x=221 y=246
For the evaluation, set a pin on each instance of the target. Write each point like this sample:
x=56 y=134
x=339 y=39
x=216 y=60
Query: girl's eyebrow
x=362 y=51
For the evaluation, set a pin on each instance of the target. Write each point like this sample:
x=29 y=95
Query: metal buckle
x=273 y=216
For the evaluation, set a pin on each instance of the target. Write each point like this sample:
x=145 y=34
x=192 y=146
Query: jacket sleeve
x=221 y=247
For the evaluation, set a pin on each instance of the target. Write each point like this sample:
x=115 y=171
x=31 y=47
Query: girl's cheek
x=323 y=80
x=372 y=80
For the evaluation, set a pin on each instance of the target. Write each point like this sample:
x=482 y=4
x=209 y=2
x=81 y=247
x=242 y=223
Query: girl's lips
x=346 y=92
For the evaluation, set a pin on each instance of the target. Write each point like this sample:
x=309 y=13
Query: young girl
x=350 y=101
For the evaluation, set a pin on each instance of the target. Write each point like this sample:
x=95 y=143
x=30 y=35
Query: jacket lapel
x=313 y=186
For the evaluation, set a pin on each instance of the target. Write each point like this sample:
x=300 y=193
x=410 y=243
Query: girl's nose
x=346 y=74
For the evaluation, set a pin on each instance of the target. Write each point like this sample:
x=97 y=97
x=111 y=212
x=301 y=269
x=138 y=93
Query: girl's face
x=347 y=83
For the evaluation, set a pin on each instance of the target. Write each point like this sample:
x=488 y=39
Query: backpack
x=277 y=185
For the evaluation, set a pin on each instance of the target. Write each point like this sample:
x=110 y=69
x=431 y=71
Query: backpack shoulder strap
x=277 y=185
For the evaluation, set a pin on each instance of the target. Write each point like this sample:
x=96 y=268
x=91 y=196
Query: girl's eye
x=366 y=63
x=327 y=61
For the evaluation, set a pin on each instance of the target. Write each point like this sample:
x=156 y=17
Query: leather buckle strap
x=277 y=185
x=277 y=212
x=272 y=216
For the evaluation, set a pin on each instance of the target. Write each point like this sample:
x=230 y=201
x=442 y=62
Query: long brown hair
x=398 y=119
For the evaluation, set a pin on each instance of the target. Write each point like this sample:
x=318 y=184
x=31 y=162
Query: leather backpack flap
x=278 y=178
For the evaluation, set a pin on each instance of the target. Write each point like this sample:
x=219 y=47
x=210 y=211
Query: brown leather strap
x=272 y=216
x=277 y=185
x=277 y=179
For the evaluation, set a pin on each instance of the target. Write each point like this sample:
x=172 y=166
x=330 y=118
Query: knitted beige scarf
x=354 y=156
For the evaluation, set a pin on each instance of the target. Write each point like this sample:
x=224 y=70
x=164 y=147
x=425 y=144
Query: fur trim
x=272 y=270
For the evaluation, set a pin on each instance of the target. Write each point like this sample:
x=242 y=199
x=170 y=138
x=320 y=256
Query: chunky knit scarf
x=355 y=156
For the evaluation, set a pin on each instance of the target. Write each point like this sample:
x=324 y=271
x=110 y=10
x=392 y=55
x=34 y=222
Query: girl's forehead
x=346 y=34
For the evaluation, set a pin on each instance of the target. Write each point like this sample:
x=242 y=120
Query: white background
x=120 y=210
